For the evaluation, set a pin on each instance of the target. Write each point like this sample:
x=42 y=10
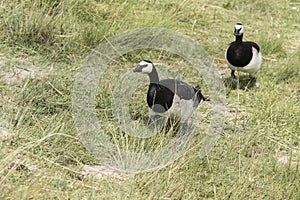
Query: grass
x=43 y=44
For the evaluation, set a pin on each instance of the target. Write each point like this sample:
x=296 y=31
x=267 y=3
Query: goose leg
x=184 y=128
x=252 y=78
x=252 y=82
x=233 y=77
x=156 y=122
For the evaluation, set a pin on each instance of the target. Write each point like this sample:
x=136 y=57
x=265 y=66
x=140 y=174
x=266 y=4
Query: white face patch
x=239 y=26
x=148 y=67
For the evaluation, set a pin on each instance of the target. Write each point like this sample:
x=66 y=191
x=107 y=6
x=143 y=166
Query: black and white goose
x=243 y=56
x=169 y=97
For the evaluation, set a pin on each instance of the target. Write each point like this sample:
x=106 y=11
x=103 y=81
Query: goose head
x=145 y=66
x=238 y=29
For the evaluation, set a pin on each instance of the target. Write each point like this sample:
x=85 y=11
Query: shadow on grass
x=168 y=125
x=244 y=83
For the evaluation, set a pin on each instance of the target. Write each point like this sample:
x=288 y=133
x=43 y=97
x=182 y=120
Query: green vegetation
x=43 y=44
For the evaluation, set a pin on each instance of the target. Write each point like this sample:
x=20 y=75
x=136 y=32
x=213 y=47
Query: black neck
x=153 y=76
x=239 y=38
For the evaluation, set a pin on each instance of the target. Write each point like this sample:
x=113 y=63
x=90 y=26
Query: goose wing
x=252 y=44
x=180 y=88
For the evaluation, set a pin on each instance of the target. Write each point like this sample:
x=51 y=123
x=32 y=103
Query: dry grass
x=41 y=154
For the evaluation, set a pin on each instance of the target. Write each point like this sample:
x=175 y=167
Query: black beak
x=138 y=69
x=236 y=32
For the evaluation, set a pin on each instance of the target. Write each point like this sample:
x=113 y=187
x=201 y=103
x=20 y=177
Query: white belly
x=180 y=108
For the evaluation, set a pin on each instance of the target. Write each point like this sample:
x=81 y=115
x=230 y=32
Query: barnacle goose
x=243 y=56
x=169 y=97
